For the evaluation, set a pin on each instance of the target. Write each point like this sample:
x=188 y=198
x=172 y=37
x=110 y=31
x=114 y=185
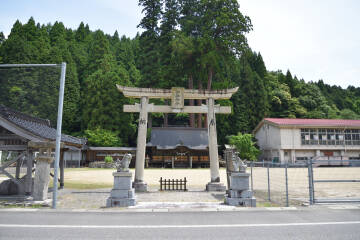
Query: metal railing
x=312 y=180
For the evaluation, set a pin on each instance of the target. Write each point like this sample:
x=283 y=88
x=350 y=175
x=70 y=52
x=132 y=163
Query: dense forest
x=186 y=43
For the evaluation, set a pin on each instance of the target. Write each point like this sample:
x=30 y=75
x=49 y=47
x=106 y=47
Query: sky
x=313 y=39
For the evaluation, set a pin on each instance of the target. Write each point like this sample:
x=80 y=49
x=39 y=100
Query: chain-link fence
x=308 y=182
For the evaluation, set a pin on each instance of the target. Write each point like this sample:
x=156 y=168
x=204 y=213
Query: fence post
x=160 y=183
x=286 y=184
x=310 y=182
x=185 y=184
x=251 y=176
x=268 y=177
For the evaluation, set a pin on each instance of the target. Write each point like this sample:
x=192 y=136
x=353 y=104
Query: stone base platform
x=239 y=193
x=122 y=195
x=140 y=186
x=120 y=202
x=245 y=202
x=215 y=187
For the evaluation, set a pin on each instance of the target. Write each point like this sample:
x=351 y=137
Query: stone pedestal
x=140 y=186
x=239 y=193
x=215 y=186
x=122 y=194
x=42 y=178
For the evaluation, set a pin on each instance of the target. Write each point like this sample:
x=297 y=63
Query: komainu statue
x=238 y=164
x=123 y=165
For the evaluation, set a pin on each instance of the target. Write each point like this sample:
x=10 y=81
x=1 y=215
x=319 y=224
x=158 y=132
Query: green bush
x=245 y=146
x=109 y=159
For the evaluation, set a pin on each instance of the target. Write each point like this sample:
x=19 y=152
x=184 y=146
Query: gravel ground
x=89 y=188
x=96 y=198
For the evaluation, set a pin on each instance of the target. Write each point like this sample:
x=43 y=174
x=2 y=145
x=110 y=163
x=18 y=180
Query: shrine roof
x=36 y=127
x=173 y=137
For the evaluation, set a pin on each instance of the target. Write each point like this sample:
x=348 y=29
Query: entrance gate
x=177 y=96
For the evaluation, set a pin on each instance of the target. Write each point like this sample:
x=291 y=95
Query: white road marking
x=180 y=226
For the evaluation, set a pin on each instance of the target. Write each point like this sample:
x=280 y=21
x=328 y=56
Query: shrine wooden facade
x=174 y=147
x=98 y=154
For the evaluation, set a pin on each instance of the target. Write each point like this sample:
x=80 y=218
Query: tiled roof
x=315 y=122
x=172 y=137
x=37 y=126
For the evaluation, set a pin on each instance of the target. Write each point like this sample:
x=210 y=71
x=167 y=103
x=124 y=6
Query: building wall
x=290 y=138
x=284 y=144
x=268 y=137
x=72 y=158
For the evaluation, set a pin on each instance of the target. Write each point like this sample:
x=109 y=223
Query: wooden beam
x=46 y=145
x=10 y=176
x=62 y=165
x=133 y=92
x=187 y=109
x=29 y=168
x=13 y=147
x=11 y=137
x=7 y=164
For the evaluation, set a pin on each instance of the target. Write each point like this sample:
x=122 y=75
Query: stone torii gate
x=177 y=96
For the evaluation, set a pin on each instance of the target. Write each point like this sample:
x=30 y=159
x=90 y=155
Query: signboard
x=177 y=97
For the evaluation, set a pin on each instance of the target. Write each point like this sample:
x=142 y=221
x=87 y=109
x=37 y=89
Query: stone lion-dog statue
x=123 y=165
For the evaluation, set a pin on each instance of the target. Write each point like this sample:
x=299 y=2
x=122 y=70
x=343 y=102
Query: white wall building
x=289 y=140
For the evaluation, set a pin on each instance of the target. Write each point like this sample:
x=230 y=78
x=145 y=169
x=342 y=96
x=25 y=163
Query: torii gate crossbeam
x=177 y=96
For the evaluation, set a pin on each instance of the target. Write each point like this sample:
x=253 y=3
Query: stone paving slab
x=96 y=198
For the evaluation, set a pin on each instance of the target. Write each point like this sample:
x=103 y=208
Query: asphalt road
x=308 y=223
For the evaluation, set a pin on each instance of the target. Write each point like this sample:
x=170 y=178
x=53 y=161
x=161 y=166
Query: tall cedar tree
x=60 y=53
x=149 y=59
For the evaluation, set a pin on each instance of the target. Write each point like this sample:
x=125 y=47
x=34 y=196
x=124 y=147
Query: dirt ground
x=198 y=178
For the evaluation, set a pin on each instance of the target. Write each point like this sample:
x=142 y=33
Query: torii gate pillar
x=214 y=184
x=139 y=184
x=177 y=96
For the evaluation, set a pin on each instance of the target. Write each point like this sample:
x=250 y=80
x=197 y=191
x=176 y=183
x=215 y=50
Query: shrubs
x=109 y=159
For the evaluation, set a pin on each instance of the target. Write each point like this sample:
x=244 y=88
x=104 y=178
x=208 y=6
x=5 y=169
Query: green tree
x=102 y=138
x=60 y=53
x=348 y=114
x=149 y=59
x=222 y=34
x=103 y=103
x=245 y=146
x=170 y=71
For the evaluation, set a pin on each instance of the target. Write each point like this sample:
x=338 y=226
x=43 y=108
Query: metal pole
x=268 y=176
x=310 y=185
x=28 y=65
x=58 y=132
x=252 y=182
x=286 y=184
x=312 y=180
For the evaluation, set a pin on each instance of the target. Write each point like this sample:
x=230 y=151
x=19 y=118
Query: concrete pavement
x=260 y=223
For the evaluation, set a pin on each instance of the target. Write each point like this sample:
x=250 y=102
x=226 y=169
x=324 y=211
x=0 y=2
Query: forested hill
x=188 y=43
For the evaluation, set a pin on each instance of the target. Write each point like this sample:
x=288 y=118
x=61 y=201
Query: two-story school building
x=290 y=140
